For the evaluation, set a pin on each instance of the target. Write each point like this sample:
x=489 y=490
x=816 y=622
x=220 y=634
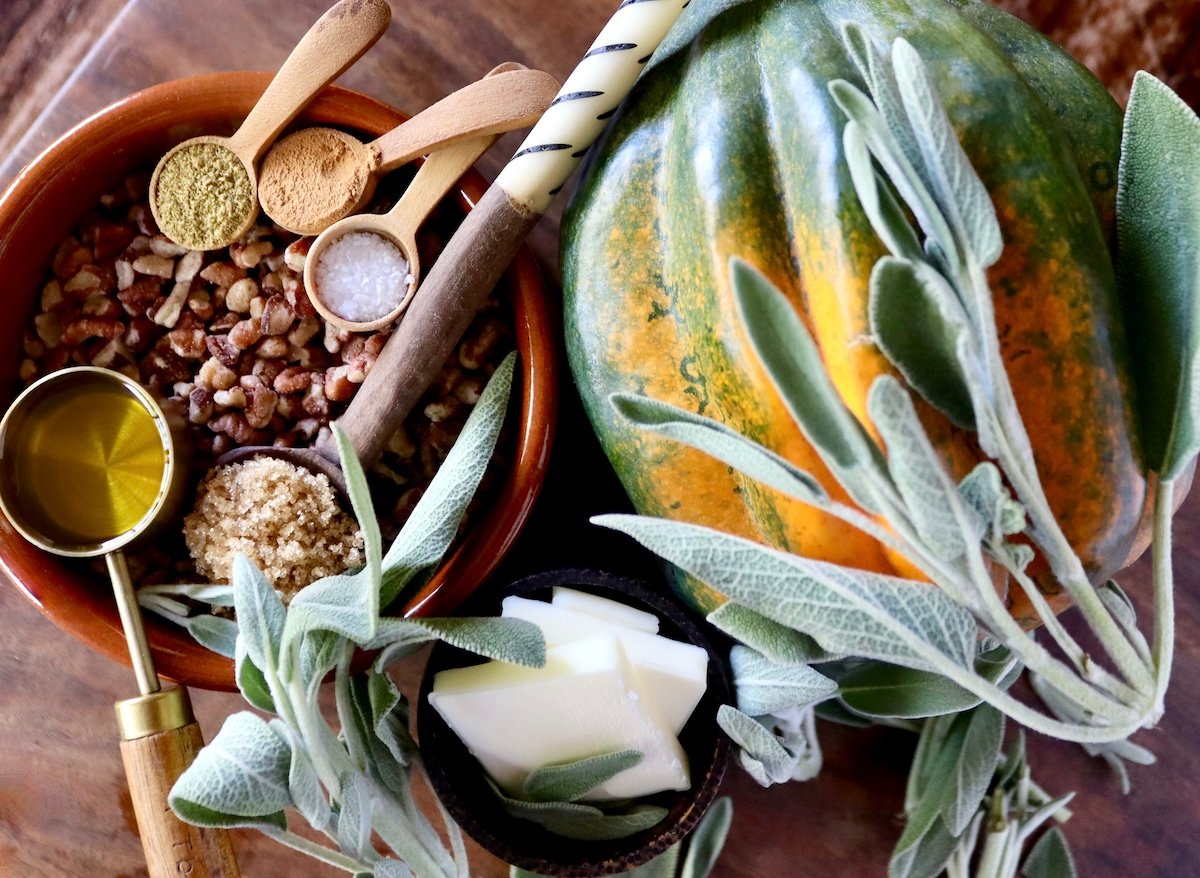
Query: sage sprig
x=351 y=782
x=931 y=314
x=550 y=797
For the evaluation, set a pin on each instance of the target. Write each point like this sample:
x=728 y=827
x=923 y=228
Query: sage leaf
x=928 y=798
x=305 y=790
x=707 y=840
x=582 y=822
x=665 y=865
x=1158 y=265
x=837 y=712
x=919 y=323
x=960 y=194
x=793 y=362
x=214 y=632
x=508 y=640
x=782 y=645
x=390 y=868
x=721 y=443
x=975 y=767
x=213 y=594
x=928 y=857
x=573 y=780
x=885 y=691
x=758 y=743
x=260 y=614
x=764 y=687
x=242 y=772
x=251 y=681
x=994 y=510
x=929 y=493
x=434 y=522
x=897 y=167
x=389 y=714
x=319 y=652
x=354 y=817
x=884 y=212
x=198 y=815
x=342 y=604
x=360 y=500
x=1050 y=857
x=848 y=611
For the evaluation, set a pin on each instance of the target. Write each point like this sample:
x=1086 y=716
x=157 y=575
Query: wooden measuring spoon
x=485 y=243
x=204 y=191
x=315 y=177
x=397 y=227
x=483 y=246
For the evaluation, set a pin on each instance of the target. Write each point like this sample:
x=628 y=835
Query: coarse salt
x=362 y=277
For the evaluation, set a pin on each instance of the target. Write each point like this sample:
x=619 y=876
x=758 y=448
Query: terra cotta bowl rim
x=53 y=589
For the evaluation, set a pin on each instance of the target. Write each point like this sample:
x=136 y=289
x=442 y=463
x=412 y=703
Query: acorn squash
x=730 y=145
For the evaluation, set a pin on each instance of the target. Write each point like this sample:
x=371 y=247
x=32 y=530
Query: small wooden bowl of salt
x=361 y=272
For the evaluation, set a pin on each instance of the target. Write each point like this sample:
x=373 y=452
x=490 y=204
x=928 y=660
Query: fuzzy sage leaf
x=764 y=687
x=847 y=611
x=1158 y=262
x=792 y=360
x=779 y=643
x=571 y=781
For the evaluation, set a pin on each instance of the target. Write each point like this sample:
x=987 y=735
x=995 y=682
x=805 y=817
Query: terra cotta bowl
x=49 y=197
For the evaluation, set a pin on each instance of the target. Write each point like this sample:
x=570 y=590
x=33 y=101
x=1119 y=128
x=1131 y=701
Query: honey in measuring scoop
x=85 y=462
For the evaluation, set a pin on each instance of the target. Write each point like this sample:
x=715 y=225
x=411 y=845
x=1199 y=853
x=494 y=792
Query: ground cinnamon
x=311 y=178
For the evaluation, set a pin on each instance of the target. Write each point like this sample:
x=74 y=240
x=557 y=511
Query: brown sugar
x=282 y=517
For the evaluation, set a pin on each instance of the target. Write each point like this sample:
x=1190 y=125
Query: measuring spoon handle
x=509 y=97
x=159 y=740
x=337 y=40
x=433 y=180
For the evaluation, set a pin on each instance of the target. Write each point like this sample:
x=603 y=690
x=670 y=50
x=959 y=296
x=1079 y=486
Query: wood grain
x=65 y=809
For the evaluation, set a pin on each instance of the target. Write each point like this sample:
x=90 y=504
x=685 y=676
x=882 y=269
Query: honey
x=84 y=462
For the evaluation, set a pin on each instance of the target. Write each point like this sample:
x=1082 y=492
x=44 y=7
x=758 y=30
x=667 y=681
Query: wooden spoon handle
x=502 y=101
x=456 y=287
x=432 y=181
x=337 y=40
x=160 y=740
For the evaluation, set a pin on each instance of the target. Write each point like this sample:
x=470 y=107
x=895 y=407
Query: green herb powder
x=203 y=196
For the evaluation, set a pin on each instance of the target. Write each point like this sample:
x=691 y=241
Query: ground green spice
x=202 y=197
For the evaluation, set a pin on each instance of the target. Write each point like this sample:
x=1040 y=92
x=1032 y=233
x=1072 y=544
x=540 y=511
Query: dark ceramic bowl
x=51 y=195
x=459 y=780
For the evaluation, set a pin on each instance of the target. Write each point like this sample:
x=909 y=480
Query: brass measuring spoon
x=114 y=479
x=194 y=173
x=316 y=176
x=398 y=228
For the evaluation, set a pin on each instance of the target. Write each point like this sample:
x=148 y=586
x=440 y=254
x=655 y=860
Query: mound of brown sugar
x=283 y=518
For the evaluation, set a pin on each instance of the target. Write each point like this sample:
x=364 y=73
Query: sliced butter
x=672 y=675
x=583 y=702
x=604 y=608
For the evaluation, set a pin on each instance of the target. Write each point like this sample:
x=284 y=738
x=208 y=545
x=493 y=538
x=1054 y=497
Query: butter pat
x=584 y=702
x=604 y=608
x=672 y=675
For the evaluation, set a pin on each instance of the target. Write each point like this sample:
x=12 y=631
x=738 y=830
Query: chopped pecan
x=338 y=387
x=188 y=265
x=292 y=380
x=222 y=274
x=233 y=424
x=161 y=368
x=239 y=294
x=277 y=316
x=188 y=343
x=222 y=349
x=78 y=331
x=152 y=263
x=200 y=405
x=245 y=334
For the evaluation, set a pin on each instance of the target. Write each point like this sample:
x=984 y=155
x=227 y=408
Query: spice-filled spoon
x=314 y=177
x=90 y=465
x=469 y=267
x=361 y=272
x=204 y=191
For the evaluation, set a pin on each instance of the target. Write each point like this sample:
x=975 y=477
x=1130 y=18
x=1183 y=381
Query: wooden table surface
x=64 y=808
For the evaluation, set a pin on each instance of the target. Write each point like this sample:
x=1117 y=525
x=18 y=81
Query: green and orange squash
x=730 y=145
